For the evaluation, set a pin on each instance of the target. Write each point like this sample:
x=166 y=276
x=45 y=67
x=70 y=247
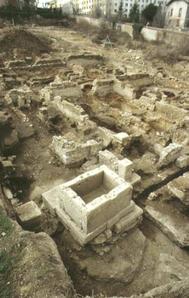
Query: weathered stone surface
x=16 y=63
x=109 y=159
x=106 y=135
x=38 y=256
x=131 y=85
x=121 y=263
x=170 y=111
x=182 y=161
x=103 y=87
x=169 y=269
x=171 y=290
x=92 y=203
x=169 y=154
x=62 y=89
x=179 y=188
x=171 y=222
x=21 y=97
x=125 y=169
x=29 y=213
x=11 y=140
x=121 y=138
x=72 y=153
x=54 y=62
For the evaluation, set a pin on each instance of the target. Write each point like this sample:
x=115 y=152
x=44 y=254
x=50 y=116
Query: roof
x=171 y=1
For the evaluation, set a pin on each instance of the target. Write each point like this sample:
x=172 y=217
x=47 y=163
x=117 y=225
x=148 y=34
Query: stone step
x=171 y=222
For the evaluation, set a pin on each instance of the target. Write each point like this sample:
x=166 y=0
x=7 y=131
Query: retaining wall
x=97 y=22
x=148 y=33
x=164 y=35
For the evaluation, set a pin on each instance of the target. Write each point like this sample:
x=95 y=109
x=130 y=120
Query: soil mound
x=24 y=41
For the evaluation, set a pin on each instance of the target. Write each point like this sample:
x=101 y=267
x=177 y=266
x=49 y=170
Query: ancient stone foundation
x=94 y=202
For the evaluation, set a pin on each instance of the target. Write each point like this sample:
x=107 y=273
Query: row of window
x=90 y=4
x=170 y=13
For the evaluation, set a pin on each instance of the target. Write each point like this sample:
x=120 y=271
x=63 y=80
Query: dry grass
x=167 y=53
x=99 y=34
x=24 y=41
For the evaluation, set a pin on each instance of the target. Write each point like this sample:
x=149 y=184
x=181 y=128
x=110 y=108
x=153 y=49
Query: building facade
x=2 y=2
x=177 y=14
x=112 y=6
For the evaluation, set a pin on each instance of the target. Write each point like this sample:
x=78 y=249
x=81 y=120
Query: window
x=171 y=12
x=180 y=12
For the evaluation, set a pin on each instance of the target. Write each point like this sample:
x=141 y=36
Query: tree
x=134 y=14
x=97 y=12
x=75 y=8
x=149 y=12
x=159 y=19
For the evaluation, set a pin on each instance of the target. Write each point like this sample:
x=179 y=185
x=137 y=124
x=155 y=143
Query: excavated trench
x=83 y=282
x=145 y=193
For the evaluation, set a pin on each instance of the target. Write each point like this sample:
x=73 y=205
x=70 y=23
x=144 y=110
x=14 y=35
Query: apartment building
x=87 y=6
x=112 y=6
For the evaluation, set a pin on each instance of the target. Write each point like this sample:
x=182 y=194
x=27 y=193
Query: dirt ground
x=34 y=160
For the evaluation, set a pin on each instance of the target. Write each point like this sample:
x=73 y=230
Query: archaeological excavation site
x=94 y=166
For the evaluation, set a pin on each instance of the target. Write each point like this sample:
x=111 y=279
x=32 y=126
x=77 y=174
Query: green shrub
x=137 y=27
x=50 y=13
x=6 y=225
x=5 y=269
x=17 y=14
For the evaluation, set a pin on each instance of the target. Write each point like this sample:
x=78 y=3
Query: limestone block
x=182 y=161
x=170 y=111
x=87 y=126
x=29 y=213
x=72 y=111
x=102 y=87
x=186 y=121
x=20 y=97
x=173 y=224
x=179 y=188
x=107 y=206
x=175 y=191
x=125 y=168
x=121 y=138
x=129 y=221
x=103 y=237
x=106 y=135
x=16 y=63
x=109 y=159
x=93 y=146
x=70 y=152
x=125 y=90
x=42 y=62
x=169 y=154
x=135 y=179
x=90 y=203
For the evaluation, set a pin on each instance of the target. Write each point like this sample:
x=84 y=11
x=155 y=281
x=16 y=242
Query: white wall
x=2 y=2
x=113 y=5
x=149 y=34
x=171 y=37
x=97 y=22
x=172 y=14
x=127 y=5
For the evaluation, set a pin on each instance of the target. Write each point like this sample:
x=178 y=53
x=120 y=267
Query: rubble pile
x=94 y=151
x=23 y=41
